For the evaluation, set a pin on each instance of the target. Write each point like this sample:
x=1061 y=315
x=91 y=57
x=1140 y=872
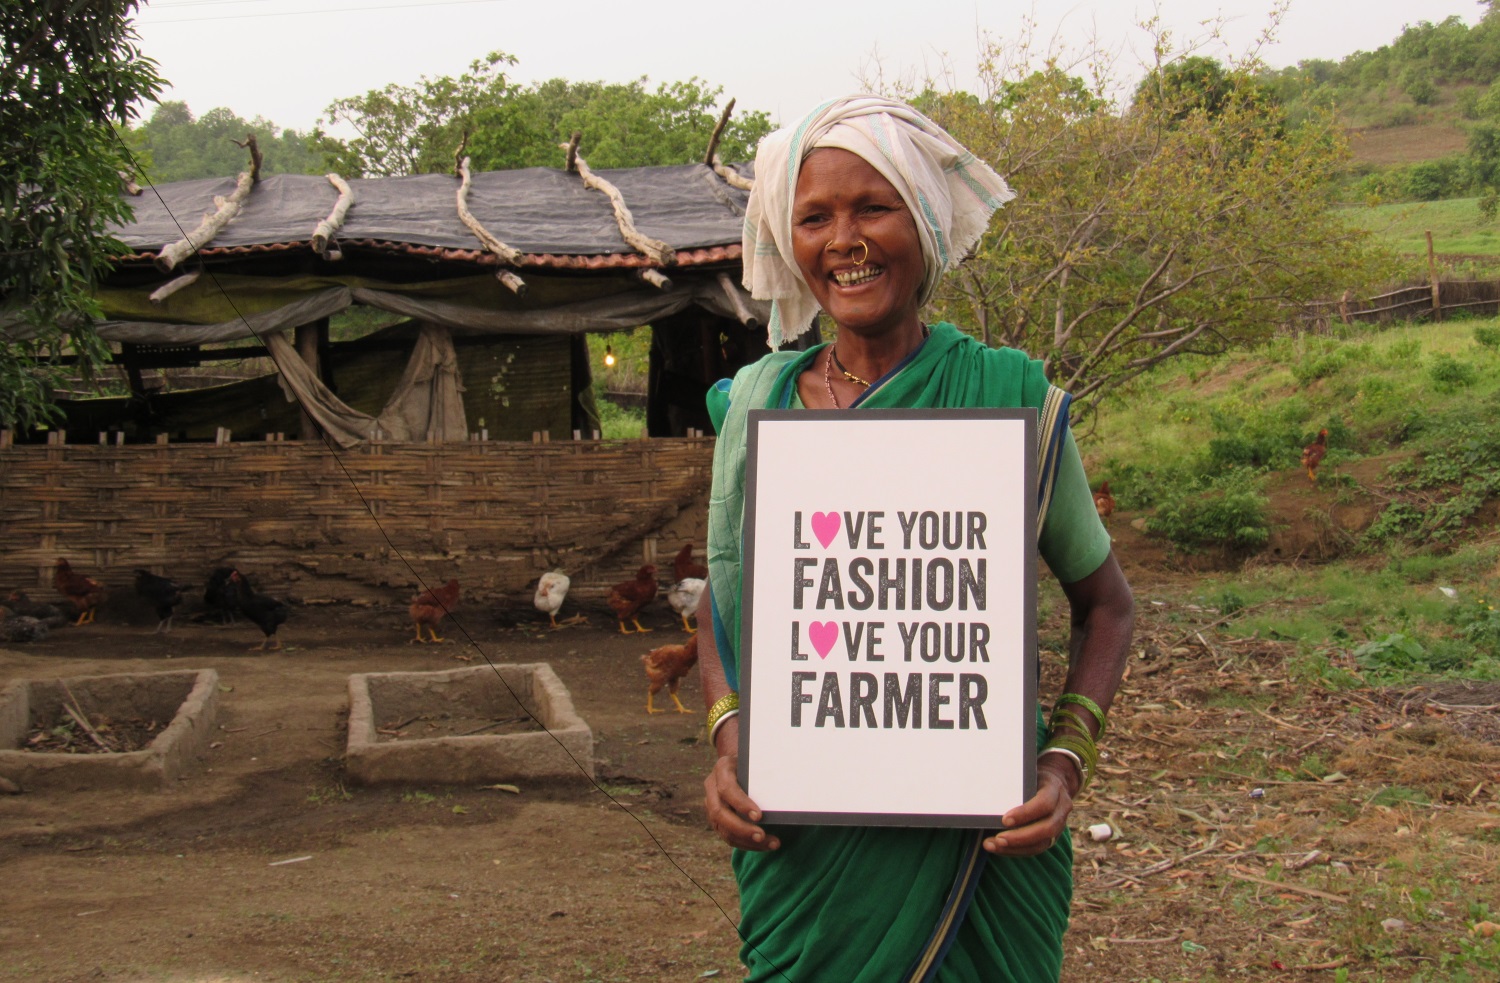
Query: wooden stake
x=160 y=294
x=255 y=158
x=713 y=140
x=323 y=234
x=655 y=278
x=663 y=254
x=1432 y=276
x=741 y=310
x=507 y=254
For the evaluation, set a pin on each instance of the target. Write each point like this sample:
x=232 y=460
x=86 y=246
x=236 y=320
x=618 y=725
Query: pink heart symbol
x=825 y=526
x=823 y=634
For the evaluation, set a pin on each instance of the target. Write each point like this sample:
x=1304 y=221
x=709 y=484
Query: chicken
x=430 y=607
x=627 y=599
x=684 y=567
x=666 y=666
x=265 y=611
x=683 y=596
x=1312 y=455
x=163 y=593
x=220 y=595
x=85 y=593
x=22 y=606
x=550 y=591
x=1104 y=503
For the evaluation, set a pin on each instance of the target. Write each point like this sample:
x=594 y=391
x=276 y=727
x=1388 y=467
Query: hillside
x=1203 y=459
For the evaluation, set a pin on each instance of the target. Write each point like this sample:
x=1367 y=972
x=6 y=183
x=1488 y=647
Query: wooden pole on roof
x=663 y=254
x=711 y=158
x=737 y=302
x=323 y=234
x=507 y=254
x=225 y=209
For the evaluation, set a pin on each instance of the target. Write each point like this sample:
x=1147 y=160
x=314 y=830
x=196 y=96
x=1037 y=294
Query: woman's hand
x=1034 y=825
x=731 y=813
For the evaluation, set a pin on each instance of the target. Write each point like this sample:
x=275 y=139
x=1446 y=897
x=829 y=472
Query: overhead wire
x=457 y=623
x=306 y=13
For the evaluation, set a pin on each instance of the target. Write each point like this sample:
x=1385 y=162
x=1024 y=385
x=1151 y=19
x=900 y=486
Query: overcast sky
x=286 y=60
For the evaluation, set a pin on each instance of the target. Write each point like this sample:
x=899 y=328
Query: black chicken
x=163 y=593
x=221 y=596
x=23 y=606
x=267 y=612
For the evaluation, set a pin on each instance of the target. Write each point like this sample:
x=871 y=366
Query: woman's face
x=842 y=200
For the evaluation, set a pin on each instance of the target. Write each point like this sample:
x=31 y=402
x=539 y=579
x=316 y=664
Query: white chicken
x=550 y=591
x=683 y=596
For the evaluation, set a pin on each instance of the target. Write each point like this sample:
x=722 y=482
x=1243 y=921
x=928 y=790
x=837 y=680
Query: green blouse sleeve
x=1073 y=541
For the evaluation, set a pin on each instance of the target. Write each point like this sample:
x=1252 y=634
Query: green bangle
x=1087 y=754
x=729 y=701
x=1067 y=718
x=1078 y=699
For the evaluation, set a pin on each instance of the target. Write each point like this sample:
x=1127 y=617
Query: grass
x=1408 y=411
x=1457 y=227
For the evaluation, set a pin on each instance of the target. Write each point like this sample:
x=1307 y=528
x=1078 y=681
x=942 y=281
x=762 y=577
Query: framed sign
x=887 y=668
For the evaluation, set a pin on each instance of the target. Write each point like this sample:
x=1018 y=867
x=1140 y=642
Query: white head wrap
x=950 y=192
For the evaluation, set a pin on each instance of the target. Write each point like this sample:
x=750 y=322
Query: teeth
x=849 y=278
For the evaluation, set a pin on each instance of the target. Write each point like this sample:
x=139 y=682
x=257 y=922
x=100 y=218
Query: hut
x=458 y=438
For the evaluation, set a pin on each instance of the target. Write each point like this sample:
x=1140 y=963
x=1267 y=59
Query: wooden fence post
x=1432 y=276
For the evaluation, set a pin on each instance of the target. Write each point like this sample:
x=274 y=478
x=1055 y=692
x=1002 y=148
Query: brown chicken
x=666 y=666
x=627 y=599
x=1104 y=503
x=430 y=607
x=684 y=567
x=85 y=593
x=1313 y=453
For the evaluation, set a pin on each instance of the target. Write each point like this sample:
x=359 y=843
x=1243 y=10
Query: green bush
x=1487 y=336
x=1394 y=651
x=1227 y=511
x=1448 y=374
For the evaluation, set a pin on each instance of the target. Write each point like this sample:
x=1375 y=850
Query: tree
x=417 y=129
x=1147 y=233
x=71 y=70
x=406 y=129
x=173 y=146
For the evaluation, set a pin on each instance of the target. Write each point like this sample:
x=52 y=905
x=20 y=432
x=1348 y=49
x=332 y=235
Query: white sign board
x=887 y=668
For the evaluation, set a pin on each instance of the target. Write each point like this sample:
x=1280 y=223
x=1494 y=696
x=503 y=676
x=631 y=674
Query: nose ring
x=863 y=256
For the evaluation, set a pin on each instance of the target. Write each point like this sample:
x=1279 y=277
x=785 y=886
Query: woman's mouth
x=856 y=276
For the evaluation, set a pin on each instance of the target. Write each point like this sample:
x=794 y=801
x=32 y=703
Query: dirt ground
x=1206 y=878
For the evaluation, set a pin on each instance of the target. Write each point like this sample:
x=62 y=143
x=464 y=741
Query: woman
x=858 y=211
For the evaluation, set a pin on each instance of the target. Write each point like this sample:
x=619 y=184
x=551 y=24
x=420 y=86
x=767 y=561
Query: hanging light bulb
x=609 y=357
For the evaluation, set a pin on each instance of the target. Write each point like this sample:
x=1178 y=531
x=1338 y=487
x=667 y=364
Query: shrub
x=1394 y=651
x=1448 y=374
x=1227 y=511
x=1487 y=336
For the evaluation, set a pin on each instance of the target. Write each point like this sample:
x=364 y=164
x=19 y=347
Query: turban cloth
x=951 y=194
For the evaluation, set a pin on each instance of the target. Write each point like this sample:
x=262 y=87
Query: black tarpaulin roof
x=535 y=210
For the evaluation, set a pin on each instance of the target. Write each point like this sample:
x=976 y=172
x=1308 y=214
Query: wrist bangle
x=1077 y=761
x=713 y=732
x=729 y=701
x=1079 y=700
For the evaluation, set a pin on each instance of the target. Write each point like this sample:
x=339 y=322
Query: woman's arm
x=1103 y=615
x=731 y=813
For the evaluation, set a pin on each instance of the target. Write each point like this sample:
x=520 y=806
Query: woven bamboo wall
x=300 y=519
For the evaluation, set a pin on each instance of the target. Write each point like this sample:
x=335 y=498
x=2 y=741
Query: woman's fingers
x=732 y=813
x=1032 y=827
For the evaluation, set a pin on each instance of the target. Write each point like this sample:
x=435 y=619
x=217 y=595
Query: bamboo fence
x=1428 y=300
x=344 y=527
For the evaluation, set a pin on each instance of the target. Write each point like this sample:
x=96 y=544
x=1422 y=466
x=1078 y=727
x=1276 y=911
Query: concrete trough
x=378 y=700
x=185 y=701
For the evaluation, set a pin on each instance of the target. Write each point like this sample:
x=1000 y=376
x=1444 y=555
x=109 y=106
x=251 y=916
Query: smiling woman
x=857 y=211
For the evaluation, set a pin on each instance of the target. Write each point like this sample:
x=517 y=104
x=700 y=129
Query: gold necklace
x=828 y=381
x=834 y=351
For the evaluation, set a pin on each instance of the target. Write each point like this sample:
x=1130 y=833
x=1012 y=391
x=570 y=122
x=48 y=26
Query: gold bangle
x=729 y=701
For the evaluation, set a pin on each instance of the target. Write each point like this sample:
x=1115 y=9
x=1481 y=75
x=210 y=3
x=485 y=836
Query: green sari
x=879 y=904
